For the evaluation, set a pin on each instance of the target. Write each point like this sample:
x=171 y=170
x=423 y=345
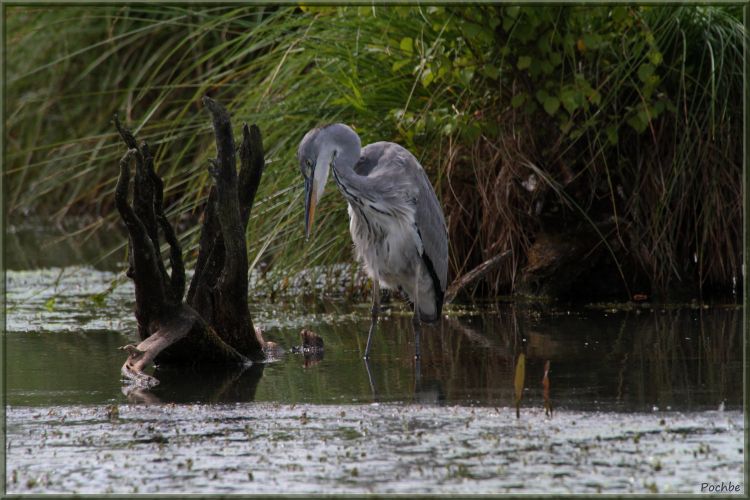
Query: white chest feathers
x=386 y=242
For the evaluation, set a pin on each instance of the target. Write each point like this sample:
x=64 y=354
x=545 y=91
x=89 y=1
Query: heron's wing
x=392 y=169
x=432 y=229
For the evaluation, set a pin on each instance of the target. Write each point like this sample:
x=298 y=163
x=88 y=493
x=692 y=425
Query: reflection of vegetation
x=628 y=360
x=683 y=358
x=527 y=118
x=518 y=381
x=678 y=363
x=44 y=247
x=546 y=391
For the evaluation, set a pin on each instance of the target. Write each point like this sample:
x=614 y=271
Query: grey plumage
x=396 y=222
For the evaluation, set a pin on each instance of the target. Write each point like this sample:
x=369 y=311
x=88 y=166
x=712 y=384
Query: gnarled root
x=189 y=338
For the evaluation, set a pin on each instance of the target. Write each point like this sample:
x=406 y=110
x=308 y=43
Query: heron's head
x=316 y=153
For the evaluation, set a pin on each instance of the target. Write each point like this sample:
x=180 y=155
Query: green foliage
x=566 y=57
x=621 y=112
x=598 y=83
x=49 y=304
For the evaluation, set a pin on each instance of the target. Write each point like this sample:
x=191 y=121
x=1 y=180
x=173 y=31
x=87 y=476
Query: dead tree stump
x=212 y=324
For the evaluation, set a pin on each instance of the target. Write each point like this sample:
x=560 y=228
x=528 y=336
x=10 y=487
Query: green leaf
x=407 y=45
x=592 y=40
x=543 y=44
x=657 y=109
x=518 y=100
x=364 y=11
x=536 y=68
x=551 y=105
x=645 y=72
x=99 y=299
x=492 y=72
x=49 y=305
x=525 y=32
x=570 y=100
x=620 y=13
x=523 y=62
x=530 y=107
x=402 y=11
x=399 y=64
x=427 y=77
x=637 y=122
x=471 y=132
x=612 y=134
x=477 y=32
x=566 y=126
x=467 y=74
x=595 y=98
x=449 y=127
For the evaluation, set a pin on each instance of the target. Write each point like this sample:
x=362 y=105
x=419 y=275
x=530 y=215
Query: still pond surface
x=644 y=399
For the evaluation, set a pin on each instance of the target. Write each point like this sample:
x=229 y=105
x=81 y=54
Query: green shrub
x=528 y=119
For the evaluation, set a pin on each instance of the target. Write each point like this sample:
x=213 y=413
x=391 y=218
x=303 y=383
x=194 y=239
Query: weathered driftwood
x=478 y=272
x=213 y=324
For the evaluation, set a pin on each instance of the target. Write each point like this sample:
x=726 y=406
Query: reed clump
x=602 y=145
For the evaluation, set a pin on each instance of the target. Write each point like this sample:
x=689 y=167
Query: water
x=383 y=448
x=644 y=399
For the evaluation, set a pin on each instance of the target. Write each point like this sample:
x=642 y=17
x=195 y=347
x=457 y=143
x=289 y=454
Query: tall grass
x=395 y=73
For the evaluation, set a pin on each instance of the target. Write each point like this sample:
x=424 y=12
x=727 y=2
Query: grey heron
x=395 y=219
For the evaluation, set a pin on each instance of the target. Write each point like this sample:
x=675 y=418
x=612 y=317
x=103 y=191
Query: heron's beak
x=310 y=202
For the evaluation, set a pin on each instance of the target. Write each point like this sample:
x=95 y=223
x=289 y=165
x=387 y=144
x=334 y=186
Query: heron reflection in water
x=395 y=219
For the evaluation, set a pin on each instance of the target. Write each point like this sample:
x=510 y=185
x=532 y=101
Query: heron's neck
x=347 y=152
x=348 y=181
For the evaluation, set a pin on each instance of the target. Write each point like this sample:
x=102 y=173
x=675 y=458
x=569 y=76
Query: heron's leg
x=417 y=375
x=372 y=381
x=415 y=322
x=374 y=317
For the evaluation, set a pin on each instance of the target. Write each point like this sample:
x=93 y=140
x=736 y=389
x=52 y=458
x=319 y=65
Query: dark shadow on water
x=207 y=384
x=426 y=391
